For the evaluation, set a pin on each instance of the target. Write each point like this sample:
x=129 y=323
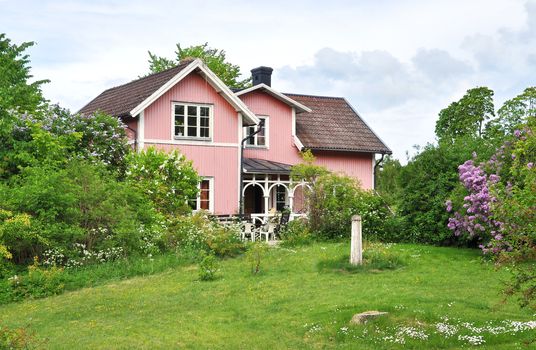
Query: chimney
x=262 y=75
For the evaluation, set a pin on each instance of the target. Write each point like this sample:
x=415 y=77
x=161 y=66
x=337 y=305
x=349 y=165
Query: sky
x=397 y=62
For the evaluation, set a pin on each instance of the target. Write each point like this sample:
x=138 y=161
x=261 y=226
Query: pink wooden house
x=190 y=109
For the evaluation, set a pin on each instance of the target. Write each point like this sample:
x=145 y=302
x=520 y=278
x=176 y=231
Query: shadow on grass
x=373 y=262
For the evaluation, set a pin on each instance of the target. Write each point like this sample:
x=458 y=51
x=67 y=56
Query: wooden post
x=356 y=249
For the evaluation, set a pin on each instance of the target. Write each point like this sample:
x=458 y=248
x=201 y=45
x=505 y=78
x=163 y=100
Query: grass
x=292 y=303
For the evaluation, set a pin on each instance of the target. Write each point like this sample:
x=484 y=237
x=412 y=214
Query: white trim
x=240 y=137
x=266 y=134
x=373 y=170
x=210 y=194
x=300 y=107
x=298 y=143
x=293 y=121
x=198 y=131
x=192 y=143
x=141 y=131
x=214 y=82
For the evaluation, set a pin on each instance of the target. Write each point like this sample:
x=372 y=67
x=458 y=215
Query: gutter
x=241 y=205
x=378 y=162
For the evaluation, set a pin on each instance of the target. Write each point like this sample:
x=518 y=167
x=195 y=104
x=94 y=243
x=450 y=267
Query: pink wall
x=218 y=162
x=358 y=165
x=193 y=89
x=282 y=148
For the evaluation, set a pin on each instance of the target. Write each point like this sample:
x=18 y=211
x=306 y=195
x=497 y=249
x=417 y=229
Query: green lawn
x=292 y=304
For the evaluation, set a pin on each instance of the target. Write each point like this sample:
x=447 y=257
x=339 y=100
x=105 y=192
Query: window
x=260 y=139
x=192 y=121
x=205 y=198
x=280 y=197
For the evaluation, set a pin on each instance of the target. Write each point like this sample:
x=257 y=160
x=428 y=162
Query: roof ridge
x=182 y=64
x=307 y=95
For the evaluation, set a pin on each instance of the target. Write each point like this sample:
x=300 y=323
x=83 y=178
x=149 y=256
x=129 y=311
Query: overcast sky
x=398 y=62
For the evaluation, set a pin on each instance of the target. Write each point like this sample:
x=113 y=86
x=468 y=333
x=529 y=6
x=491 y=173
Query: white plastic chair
x=248 y=230
x=269 y=232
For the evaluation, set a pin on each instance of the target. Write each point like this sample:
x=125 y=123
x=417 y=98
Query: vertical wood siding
x=193 y=89
x=283 y=150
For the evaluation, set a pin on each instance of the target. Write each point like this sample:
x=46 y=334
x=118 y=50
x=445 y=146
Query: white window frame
x=274 y=197
x=197 y=105
x=210 y=195
x=266 y=134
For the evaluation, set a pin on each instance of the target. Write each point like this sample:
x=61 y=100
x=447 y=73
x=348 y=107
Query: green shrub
x=17 y=339
x=167 y=179
x=80 y=204
x=5 y=256
x=254 y=256
x=38 y=283
x=208 y=267
x=196 y=232
x=296 y=232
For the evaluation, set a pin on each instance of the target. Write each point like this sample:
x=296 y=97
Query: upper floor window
x=260 y=139
x=192 y=121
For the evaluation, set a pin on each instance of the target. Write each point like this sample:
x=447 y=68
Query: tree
x=16 y=93
x=466 y=117
x=513 y=113
x=388 y=186
x=215 y=59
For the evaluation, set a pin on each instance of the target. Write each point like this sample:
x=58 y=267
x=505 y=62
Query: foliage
x=17 y=338
x=208 y=267
x=56 y=208
x=387 y=183
x=427 y=182
x=16 y=93
x=197 y=233
x=215 y=59
x=5 y=267
x=38 y=283
x=296 y=233
x=167 y=179
x=514 y=112
x=100 y=137
x=255 y=254
x=466 y=117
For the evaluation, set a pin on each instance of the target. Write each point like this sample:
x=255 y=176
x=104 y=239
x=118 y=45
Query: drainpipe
x=378 y=162
x=259 y=129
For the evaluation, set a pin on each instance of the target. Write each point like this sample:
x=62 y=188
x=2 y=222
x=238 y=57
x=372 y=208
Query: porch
x=268 y=190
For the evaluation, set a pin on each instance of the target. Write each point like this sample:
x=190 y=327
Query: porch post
x=266 y=195
x=291 y=202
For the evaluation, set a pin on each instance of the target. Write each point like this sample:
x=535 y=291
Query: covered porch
x=268 y=190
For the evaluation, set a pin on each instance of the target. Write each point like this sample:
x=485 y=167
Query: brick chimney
x=262 y=75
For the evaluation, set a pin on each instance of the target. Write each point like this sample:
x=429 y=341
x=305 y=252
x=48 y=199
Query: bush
x=337 y=198
x=167 y=179
x=81 y=204
x=5 y=268
x=208 y=268
x=16 y=339
x=38 y=283
x=197 y=233
x=296 y=232
x=254 y=256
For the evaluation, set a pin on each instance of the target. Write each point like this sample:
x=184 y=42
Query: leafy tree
x=16 y=93
x=215 y=59
x=387 y=180
x=513 y=113
x=466 y=117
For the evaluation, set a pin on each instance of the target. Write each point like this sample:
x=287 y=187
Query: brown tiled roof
x=120 y=100
x=334 y=125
